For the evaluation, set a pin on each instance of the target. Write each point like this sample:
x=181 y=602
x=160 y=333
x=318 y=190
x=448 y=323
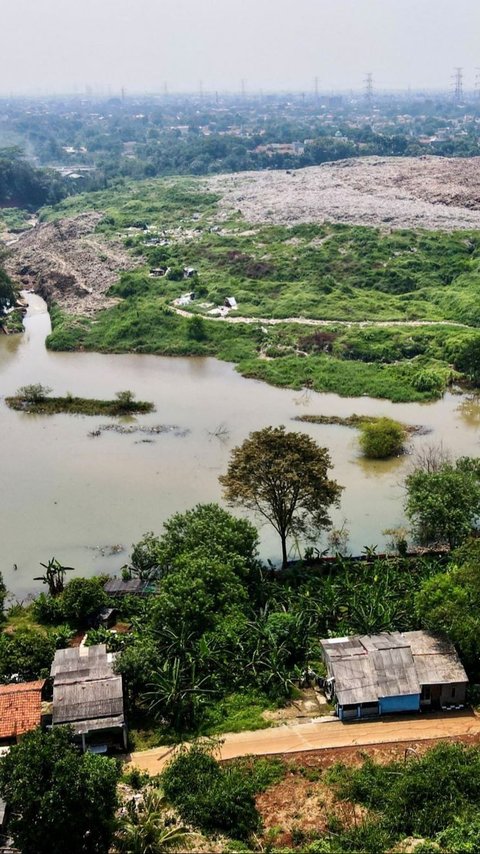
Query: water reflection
x=65 y=494
x=469 y=409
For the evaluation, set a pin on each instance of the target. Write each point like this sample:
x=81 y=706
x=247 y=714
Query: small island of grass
x=381 y=438
x=36 y=399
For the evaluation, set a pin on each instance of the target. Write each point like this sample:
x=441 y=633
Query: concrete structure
x=392 y=672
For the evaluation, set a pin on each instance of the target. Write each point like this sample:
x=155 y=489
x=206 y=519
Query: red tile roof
x=20 y=708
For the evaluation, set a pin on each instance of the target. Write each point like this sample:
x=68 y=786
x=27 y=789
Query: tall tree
x=283 y=477
x=60 y=800
x=444 y=504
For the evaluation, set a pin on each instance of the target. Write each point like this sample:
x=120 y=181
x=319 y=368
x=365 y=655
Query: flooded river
x=68 y=495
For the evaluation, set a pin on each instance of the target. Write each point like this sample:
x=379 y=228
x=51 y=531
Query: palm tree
x=54 y=576
x=147 y=828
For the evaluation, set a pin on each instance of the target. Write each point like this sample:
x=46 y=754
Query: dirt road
x=310 y=321
x=323 y=736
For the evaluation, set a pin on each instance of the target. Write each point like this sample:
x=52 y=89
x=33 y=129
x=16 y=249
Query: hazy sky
x=64 y=45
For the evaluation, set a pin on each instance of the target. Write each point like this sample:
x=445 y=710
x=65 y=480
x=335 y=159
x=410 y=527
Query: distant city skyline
x=56 y=46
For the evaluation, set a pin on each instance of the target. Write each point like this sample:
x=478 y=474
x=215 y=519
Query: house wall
x=362 y=710
x=403 y=703
x=453 y=695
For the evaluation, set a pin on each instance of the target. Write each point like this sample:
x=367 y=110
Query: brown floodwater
x=75 y=497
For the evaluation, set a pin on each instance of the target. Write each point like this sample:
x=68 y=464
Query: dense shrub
x=28 y=652
x=209 y=796
x=81 y=598
x=382 y=439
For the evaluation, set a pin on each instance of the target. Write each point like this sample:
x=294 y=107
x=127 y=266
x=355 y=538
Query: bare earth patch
x=302 y=801
x=390 y=192
x=68 y=263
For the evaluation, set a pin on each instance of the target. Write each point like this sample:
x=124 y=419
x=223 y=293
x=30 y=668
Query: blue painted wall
x=406 y=703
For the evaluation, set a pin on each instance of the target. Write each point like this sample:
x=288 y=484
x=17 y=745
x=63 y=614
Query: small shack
x=20 y=710
x=128 y=587
x=230 y=302
x=88 y=695
x=392 y=672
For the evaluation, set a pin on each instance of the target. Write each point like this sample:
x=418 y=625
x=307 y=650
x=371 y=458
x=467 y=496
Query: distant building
x=230 y=302
x=88 y=695
x=20 y=710
x=392 y=672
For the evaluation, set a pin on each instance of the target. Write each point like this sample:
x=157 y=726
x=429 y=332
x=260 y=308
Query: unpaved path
x=390 y=192
x=301 y=738
x=310 y=321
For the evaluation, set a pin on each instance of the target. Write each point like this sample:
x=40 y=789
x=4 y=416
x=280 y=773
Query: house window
x=425 y=692
x=453 y=692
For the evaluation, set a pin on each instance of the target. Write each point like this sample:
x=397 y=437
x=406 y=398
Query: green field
x=335 y=273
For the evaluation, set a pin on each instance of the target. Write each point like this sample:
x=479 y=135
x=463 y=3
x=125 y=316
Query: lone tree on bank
x=283 y=477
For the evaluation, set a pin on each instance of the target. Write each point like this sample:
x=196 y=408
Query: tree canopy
x=283 y=477
x=444 y=504
x=60 y=800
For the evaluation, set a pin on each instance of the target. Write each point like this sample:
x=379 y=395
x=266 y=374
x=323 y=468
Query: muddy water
x=73 y=496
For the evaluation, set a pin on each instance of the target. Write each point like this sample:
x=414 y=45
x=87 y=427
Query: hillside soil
x=68 y=263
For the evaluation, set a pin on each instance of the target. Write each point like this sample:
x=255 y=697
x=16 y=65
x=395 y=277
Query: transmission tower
x=477 y=82
x=316 y=88
x=458 y=85
x=369 y=87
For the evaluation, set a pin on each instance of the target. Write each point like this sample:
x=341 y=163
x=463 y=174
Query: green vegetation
x=35 y=398
x=432 y=797
x=443 y=503
x=218 y=798
x=450 y=602
x=21 y=185
x=382 y=439
x=283 y=477
x=7 y=290
x=147 y=827
x=354 y=420
x=336 y=273
x=28 y=652
x=60 y=800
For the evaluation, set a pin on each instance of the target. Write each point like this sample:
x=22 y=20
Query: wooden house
x=88 y=695
x=392 y=672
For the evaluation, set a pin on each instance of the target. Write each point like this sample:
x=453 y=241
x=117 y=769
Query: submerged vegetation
x=36 y=399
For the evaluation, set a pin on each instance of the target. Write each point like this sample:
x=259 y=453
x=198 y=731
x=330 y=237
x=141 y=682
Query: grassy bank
x=335 y=273
x=274 y=354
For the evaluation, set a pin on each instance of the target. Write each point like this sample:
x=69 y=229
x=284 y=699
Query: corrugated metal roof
x=117 y=586
x=82 y=701
x=355 y=681
x=86 y=691
x=436 y=659
x=391 y=664
x=395 y=672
